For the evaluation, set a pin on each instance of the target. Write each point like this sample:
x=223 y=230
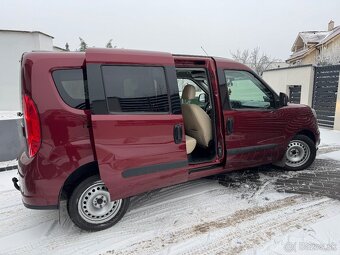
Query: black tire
x=304 y=141
x=88 y=221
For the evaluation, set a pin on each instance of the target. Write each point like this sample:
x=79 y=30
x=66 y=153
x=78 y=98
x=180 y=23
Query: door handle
x=230 y=126
x=178 y=133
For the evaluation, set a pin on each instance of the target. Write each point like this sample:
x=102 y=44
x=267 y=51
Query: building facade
x=316 y=47
x=13 y=44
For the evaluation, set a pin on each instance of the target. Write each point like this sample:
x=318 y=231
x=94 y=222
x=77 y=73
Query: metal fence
x=326 y=80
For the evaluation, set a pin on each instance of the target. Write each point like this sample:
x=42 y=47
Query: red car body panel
x=131 y=149
x=66 y=143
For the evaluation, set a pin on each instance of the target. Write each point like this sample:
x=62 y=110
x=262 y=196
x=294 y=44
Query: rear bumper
x=26 y=201
x=34 y=194
x=41 y=207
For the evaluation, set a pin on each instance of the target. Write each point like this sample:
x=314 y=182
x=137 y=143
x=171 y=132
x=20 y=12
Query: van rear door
x=137 y=126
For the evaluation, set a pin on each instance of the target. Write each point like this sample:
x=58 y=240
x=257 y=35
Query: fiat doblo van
x=107 y=124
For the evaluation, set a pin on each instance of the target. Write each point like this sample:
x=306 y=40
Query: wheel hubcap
x=297 y=153
x=95 y=206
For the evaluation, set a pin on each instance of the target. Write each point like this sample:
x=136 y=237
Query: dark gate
x=295 y=94
x=326 y=80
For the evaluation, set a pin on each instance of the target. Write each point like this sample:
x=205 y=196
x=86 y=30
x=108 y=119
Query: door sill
x=205 y=168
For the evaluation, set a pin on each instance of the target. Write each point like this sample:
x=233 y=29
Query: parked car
x=109 y=124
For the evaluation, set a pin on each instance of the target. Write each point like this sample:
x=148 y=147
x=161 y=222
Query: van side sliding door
x=137 y=126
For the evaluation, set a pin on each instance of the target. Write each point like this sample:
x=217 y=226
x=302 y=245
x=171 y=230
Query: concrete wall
x=281 y=79
x=12 y=45
x=10 y=138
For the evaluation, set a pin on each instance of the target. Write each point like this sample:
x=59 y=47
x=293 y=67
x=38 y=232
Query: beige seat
x=197 y=122
x=190 y=143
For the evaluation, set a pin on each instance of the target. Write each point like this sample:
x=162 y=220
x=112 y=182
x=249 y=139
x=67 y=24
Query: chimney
x=331 y=25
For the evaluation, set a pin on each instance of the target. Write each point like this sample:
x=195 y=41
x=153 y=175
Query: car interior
x=198 y=114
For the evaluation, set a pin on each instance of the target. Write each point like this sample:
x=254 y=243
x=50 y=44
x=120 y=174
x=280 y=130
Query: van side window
x=70 y=84
x=246 y=91
x=135 y=89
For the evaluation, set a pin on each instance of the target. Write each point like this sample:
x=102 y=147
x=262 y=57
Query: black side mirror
x=202 y=98
x=283 y=99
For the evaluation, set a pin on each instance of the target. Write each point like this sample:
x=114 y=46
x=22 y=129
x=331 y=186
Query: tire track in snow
x=144 y=219
x=301 y=215
x=261 y=232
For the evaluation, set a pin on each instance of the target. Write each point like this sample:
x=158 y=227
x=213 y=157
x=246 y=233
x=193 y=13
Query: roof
x=122 y=56
x=317 y=38
x=25 y=31
x=334 y=33
x=299 y=53
x=59 y=48
x=313 y=36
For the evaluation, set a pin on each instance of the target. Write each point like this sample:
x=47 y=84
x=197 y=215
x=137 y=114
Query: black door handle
x=230 y=126
x=178 y=133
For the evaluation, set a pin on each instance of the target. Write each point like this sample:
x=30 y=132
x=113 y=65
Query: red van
x=108 y=124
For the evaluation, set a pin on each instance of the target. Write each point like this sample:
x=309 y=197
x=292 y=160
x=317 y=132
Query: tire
x=90 y=207
x=300 y=153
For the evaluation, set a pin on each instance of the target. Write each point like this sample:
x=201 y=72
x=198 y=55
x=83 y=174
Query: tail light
x=32 y=125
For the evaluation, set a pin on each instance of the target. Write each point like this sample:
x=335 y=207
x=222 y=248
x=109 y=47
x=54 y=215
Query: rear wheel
x=91 y=208
x=300 y=154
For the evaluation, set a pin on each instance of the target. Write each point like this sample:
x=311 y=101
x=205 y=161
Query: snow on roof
x=298 y=54
x=313 y=36
x=332 y=34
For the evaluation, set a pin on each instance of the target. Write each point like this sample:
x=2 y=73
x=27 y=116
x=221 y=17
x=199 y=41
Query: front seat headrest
x=189 y=92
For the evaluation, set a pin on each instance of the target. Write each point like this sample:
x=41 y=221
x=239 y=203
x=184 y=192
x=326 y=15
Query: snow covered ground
x=231 y=214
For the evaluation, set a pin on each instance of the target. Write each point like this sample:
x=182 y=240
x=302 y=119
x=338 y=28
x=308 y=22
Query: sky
x=176 y=26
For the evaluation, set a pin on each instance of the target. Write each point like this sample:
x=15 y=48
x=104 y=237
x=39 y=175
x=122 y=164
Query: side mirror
x=202 y=98
x=283 y=99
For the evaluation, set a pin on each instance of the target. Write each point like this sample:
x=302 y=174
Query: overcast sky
x=176 y=26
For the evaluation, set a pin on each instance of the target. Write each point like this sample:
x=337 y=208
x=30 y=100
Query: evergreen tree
x=83 y=45
x=109 y=44
x=67 y=47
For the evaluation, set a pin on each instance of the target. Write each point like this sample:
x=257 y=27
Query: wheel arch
x=307 y=133
x=76 y=177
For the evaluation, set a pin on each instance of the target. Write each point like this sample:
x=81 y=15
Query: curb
x=8 y=168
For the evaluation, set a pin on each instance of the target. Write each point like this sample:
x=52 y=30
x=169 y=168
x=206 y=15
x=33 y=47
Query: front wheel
x=300 y=154
x=90 y=207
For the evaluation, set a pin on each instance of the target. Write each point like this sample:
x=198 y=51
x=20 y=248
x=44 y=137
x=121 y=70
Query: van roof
x=102 y=55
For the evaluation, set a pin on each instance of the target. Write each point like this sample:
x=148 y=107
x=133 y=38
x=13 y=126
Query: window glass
x=135 y=89
x=183 y=82
x=71 y=87
x=245 y=91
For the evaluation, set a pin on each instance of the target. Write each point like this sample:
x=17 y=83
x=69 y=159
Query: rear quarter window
x=70 y=84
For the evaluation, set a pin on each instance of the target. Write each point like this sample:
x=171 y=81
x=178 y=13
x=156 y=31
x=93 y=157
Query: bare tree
x=256 y=60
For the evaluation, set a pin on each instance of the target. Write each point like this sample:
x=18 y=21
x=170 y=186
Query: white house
x=13 y=43
x=313 y=75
